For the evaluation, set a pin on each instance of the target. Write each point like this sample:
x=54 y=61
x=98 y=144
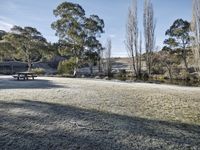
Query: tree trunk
x=91 y=68
x=29 y=66
x=75 y=72
x=170 y=74
x=186 y=64
x=76 y=67
x=99 y=66
x=149 y=68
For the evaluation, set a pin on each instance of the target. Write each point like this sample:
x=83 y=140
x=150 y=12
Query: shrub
x=38 y=71
x=184 y=75
x=158 y=69
x=145 y=76
x=66 y=66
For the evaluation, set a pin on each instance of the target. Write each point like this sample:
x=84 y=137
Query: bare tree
x=195 y=25
x=149 y=29
x=167 y=60
x=108 y=57
x=100 y=63
x=140 y=57
x=134 y=51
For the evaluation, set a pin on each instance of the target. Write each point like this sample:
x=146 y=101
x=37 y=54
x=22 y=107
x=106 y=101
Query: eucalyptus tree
x=179 y=38
x=7 y=51
x=69 y=29
x=29 y=44
x=92 y=52
x=94 y=28
x=196 y=33
x=75 y=30
x=149 y=35
x=3 y=45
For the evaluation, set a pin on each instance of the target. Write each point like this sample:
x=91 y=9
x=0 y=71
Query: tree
x=149 y=35
x=92 y=52
x=171 y=42
x=2 y=33
x=28 y=43
x=132 y=47
x=4 y=46
x=69 y=28
x=74 y=29
x=108 y=57
x=6 y=51
x=168 y=60
x=195 y=25
x=91 y=57
x=179 y=38
x=93 y=28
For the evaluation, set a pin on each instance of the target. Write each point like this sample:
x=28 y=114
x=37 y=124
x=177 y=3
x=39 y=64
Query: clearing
x=62 y=113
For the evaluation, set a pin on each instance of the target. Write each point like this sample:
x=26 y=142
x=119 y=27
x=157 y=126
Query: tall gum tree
x=179 y=38
x=75 y=30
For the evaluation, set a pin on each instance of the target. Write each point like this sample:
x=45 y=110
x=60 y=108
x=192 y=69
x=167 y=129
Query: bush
x=121 y=75
x=184 y=75
x=158 y=69
x=145 y=76
x=66 y=66
x=38 y=71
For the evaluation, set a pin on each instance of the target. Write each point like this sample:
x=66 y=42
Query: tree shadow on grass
x=28 y=84
x=29 y=124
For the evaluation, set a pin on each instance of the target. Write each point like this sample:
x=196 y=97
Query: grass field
x=61 y=113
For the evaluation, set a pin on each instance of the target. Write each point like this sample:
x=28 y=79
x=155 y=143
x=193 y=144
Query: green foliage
x=179 y=34
x=67 y=66
x=38 y=71
x=171 y=42
x=28 y=42
x=2 y=33
x=180 y=29
x=179 y=38
x=91 y=56
x=158 y=69
x=7 y=51
x=184 y=75
x=121 y=75
x=69 y=27
x=77 y=33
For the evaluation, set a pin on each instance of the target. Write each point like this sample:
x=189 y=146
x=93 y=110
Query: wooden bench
x=24 y=75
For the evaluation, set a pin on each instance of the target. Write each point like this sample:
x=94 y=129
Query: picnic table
x=24 y=75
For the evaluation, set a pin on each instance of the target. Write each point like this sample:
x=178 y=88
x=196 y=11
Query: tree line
x=79 y=41
x=183 y=42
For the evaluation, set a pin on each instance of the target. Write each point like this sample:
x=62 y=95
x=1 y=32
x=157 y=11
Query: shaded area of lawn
x=29 y=125
x=9 y=83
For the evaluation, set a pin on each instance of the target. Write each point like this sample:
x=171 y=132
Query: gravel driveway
x=61 y=113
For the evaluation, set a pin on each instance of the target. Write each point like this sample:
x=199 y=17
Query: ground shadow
x=9 y=83
x=37 y=125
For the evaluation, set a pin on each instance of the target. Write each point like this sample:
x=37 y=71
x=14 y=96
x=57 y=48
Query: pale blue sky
x=39 y=14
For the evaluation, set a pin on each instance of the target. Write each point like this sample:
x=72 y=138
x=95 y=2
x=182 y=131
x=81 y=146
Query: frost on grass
x=58 y=113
